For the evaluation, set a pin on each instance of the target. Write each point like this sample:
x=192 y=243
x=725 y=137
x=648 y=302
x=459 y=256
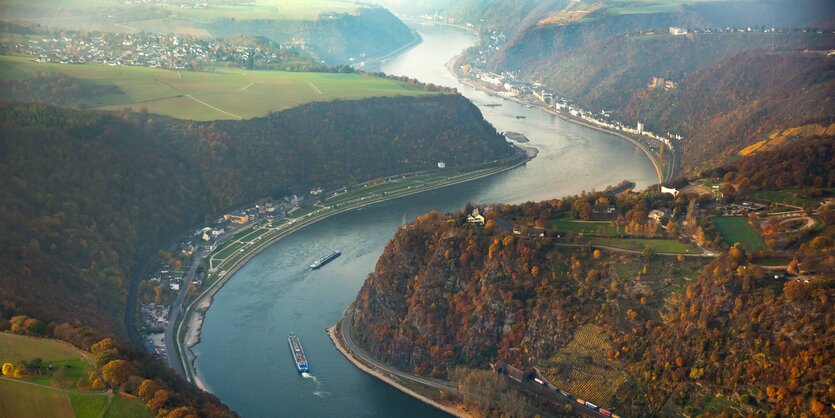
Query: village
x=175 y=52
x=182 y=272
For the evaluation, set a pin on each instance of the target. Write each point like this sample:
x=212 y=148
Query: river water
x=243 y=355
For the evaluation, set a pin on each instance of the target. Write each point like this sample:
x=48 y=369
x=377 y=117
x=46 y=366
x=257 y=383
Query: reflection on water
x=243 y=354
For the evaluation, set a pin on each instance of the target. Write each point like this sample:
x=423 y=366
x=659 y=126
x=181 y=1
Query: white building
x=441 y=164
x=677 y=31
x=640 y=127
x=673 y=192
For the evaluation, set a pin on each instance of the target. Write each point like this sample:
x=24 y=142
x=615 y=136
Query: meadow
x=225 y=93
x=35 y=396
x=736 y=229
x=563 y=223
x=659 y=245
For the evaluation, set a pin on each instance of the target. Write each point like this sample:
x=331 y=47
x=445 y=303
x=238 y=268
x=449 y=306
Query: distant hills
x=605 y=55
x=336 y=31
x=90 y=196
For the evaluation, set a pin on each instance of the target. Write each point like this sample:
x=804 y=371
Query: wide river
x=243 y=355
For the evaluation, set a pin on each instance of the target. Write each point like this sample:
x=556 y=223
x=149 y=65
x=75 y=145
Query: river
x=243 y=355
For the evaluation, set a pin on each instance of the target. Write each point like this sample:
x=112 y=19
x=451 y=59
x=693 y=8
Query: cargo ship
x=298 y=353
x=325 y=260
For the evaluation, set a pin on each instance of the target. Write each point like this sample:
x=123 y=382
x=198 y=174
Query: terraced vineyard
x=582 y=367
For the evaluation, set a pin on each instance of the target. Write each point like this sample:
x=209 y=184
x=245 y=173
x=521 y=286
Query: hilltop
x=224 y=93
x=643 y=302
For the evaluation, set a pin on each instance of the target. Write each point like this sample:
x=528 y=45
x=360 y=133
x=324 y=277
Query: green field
x=137 y=15
x=653 y=6
x=565 y=224
x=784 y=196
x=34 y=397
x=736 y=229
x=635 y=244
x=14 y=348
x=224 y=93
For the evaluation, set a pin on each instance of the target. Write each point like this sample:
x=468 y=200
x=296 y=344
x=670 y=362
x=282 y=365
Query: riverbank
x=376 y=62
x=652 y=159
x=188 y=330
x=335 y=336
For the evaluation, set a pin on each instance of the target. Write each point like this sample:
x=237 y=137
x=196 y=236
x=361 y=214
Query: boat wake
x=318 y=392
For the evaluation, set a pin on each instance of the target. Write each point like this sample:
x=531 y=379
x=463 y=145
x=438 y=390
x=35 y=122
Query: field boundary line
x=247 y=86
x=314 y=87
x=215 y=108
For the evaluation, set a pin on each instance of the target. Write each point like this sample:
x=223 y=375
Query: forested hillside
x=644 y=333
x=738 y=101
x=606 y=75
x=90 y=195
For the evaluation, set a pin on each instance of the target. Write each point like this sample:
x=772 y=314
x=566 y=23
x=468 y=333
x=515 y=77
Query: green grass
x=771 y=262
x=783 y=196
x=225 y=93
x=254 y=234
x=75 y=369
x=127 y=408
x=228 y=250
x=87 y=405
x=564 y=224
x=14 y=348
x=636 y=244
x=650 y=6
x=20 y=400
x=301 y=211
x=736 y=229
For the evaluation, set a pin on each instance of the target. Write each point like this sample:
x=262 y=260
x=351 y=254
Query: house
x=677 y=31
x=441 y=164
x=658 y=214
x=216 y=232
x=475 y=218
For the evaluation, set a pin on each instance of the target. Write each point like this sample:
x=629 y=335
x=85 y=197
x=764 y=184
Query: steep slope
x=567 y=30
x=738 y=101
x=335 y=37
x=90 y=195
x=605 y=75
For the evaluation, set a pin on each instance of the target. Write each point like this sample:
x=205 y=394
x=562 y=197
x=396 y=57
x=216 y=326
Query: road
x=531 y=389
x=174 y=314
x=360 y=353
x=172 y=353
x=674 y=159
